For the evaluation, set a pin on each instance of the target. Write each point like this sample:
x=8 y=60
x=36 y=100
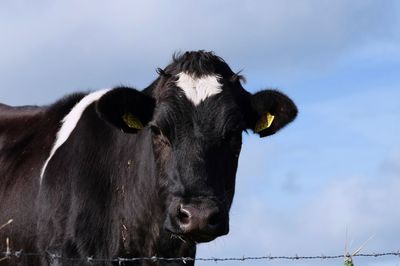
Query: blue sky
x=336 y=167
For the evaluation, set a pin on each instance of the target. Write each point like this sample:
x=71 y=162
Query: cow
x=127 y=173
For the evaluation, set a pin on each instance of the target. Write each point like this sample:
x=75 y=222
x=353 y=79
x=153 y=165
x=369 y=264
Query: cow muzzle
x=197 y=220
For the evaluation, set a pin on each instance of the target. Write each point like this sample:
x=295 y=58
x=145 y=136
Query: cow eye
x=155 y=130
x=159 y=135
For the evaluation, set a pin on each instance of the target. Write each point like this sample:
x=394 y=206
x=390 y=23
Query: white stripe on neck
x=69 y=123
x=198 y=89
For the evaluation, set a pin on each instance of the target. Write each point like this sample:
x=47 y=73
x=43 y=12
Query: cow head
x=196 y=111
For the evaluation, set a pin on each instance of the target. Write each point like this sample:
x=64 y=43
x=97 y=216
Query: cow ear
x=270 y=110
x=127 y=109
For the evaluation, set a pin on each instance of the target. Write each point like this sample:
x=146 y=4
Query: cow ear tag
x=264 y=122
x=132 y=121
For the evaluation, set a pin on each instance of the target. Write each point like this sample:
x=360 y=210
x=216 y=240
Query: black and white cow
x=123 y=173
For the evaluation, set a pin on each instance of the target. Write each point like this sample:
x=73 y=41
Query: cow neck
x=137 y=192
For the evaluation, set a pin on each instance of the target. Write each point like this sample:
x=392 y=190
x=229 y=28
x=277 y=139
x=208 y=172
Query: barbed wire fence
x=19 y=254
x=9 y=254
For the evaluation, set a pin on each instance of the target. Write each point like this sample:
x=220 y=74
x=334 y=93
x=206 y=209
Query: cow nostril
x=199 y=219
x=183 y=215
x=213 y=220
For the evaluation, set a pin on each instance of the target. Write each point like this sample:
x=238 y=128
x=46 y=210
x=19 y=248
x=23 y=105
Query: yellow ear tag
x=131 y=121
x=264 y=122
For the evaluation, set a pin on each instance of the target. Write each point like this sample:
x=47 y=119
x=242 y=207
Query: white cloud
x=102 y=43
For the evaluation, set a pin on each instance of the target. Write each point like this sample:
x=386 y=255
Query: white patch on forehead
x=69 y=123
x=198 y=89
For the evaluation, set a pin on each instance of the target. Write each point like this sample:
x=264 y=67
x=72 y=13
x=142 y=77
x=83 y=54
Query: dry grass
x=7 y=223
x=7 y=240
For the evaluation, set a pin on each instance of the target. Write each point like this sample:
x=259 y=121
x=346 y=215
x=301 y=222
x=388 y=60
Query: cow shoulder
x=27 y=133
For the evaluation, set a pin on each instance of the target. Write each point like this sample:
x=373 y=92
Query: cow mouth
x=198 y=238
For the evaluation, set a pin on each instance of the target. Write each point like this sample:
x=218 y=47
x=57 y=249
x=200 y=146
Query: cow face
x=200 y=111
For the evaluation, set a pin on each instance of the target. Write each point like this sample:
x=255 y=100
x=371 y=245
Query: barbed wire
x=19 y=254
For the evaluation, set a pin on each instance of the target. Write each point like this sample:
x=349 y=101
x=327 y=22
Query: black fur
x=112 y=191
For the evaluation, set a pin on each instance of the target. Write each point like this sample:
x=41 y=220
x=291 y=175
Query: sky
x=336 y=169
